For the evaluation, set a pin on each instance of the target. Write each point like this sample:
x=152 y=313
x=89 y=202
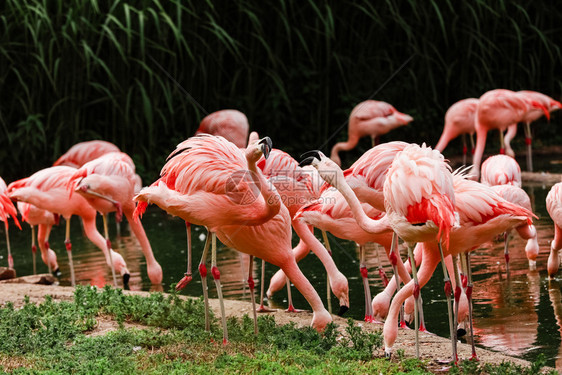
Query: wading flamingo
x=7 y=210
x=108 y=184
x=459 y=120
x=228 y=123
x=503 y=174
x=44 y=221
x=208 y=181
x=298 y=186
x=331 y=213
x=498 y=109
x=532 y=114
x=482 y=214
x=554 y=208
x=369 y=118
x=46 y=189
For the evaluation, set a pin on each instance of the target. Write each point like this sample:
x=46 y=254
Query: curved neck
x=351 y=142
x=366 y=223
x=267 y=190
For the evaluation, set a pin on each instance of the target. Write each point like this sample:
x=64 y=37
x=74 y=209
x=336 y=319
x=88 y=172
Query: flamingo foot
x=224 y=342
x=369 y=319
x=291 y=309
x=263 y=309
x=183 y=282
x=474 y=357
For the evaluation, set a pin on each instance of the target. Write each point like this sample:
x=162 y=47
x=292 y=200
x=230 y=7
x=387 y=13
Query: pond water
x=520 y=315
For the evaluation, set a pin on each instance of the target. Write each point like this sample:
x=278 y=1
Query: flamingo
x=108 y=184
x=44 y=220
x=296 y=187
x=46 y=189
x=554 y=208
x=482 y=215
x=228 y=123
x=369 y=118
x=331 y=213
x=459 y=120
x=209 y=181
x=498 y=109
x=7 y=210
x=532 y=114
x=83 y=152
x=503 y=174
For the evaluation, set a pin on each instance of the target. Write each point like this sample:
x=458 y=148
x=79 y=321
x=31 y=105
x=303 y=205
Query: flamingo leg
x=528 y=142
x=394 y=255
x=469 y=296
x=109 y=250
x=217 y=277
x=365 y=277
x=291 y=307
x=34 y=249
x=203 y=274
x=382 y=274
x=252 y=294
x=262 y=308
x=10 y=258
x=188 y=276
x=68 y=245
x=457 y=300
x=416 y=298
x=506 y=252
x=328 y=295
x=448 y=293
x=502 y=143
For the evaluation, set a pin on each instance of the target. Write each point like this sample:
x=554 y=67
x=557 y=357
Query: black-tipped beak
x=126 y=278
x=343 y=310
x=313 y=153
x=266 y=146
x=306 y=161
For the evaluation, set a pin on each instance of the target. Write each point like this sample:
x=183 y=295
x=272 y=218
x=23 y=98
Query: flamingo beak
x=309 y=157
x=343 y=310
x=126 y=278
x=266 y=146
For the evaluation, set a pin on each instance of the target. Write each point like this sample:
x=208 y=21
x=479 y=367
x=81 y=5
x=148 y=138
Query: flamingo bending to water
x=197 y=185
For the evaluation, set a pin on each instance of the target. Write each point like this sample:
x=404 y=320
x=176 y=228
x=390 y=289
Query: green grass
x=53 y=338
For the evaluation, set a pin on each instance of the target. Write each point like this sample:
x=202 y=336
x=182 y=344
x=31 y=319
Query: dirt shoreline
x=432 y=347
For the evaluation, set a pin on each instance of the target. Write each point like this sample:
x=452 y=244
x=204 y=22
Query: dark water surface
x=520 y=315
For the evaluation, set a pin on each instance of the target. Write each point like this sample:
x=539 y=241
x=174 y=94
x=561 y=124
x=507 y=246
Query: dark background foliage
x=142 y=74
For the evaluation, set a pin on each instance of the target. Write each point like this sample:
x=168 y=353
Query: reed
x=75 y=70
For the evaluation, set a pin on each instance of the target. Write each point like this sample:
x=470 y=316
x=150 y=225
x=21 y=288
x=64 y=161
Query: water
x=520 y=315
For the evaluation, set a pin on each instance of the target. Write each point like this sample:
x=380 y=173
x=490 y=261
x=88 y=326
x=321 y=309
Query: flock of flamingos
x=250 y=195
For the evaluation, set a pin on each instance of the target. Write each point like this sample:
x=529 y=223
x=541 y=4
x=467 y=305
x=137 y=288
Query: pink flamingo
x=44 y=220
x=498 y=109
x=482 y=215
x=503 y=174
x=246 y=214
x=369 y=118
x=554 y=208
x=46 y=189
x=7 y=210
x=108 y=184
x=296 y=187
x=459 y=120
x=228 y=123
x=83 y=152
x=331 y=213
x=532 y=114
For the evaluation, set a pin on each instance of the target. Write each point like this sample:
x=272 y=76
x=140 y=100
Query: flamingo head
x=403 y=118
x=327 y=168
x=255 y=150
